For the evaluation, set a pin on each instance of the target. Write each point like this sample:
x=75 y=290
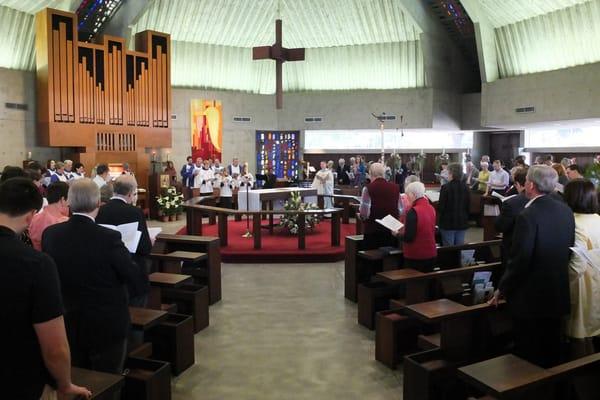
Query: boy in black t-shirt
x=34 y=350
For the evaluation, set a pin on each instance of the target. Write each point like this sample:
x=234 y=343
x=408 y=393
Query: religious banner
x=279 y=150
x=206 y=128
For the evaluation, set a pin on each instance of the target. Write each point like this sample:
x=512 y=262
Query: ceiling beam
x=485 y=38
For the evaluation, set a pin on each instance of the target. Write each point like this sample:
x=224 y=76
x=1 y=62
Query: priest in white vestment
x=323 y=182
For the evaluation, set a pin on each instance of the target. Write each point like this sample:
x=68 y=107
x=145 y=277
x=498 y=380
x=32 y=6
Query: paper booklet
x=502 y=198
x=432 y=196
x=153 y=232
x=591 y=256
x=129 y=234
x=391 y=223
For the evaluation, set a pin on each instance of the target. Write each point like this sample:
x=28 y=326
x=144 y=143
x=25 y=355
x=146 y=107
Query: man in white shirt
x=101 y=175
x=498 y=180
x=204 y=179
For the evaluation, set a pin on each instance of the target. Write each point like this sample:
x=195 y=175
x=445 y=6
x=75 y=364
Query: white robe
x=204 y=180
x=323 y=182
x=226 y=185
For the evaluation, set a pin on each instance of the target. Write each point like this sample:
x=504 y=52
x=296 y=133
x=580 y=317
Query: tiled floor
x=285 y=331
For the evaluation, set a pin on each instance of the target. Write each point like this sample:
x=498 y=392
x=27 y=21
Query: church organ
x=109 y=104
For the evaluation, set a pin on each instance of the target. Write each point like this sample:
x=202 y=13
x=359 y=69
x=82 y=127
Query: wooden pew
x=428 y=374
x=510 y=377
x=207 y=271
x=160 y=280
x=102 y=385
x=358 y=267
x=396 y=332
x=375 y=295
x=353 y=244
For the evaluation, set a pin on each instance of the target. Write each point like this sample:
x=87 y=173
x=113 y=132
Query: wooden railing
x=195 y=211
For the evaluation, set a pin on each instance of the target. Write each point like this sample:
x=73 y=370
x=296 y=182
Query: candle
x=167 y=156
x=153 y=156
x=29 y=155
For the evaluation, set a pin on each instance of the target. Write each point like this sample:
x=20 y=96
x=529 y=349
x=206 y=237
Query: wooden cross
x=280 y=54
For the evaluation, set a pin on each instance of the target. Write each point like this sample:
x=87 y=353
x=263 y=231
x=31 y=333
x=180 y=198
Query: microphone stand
x=248 y=234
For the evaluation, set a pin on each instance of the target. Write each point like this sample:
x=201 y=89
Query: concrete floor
x=285 y=331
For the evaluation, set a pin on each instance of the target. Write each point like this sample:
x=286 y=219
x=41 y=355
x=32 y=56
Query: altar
x=275 y=198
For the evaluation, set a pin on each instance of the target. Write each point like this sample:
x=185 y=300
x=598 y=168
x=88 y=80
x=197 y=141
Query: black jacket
x=536 y=280
x=453 y=206
x=94 y=266
x=342 y=174
x=505 y=222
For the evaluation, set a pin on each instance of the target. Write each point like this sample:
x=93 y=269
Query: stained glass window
x=279 y=150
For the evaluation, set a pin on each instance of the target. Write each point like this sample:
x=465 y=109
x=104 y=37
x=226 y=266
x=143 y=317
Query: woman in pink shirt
x=56 y=211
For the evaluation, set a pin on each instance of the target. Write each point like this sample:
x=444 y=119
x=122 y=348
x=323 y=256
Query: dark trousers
x=539 y=340
x=425 y=265
x=379 y=239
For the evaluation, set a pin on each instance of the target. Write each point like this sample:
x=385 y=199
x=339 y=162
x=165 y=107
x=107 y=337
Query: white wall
x=17 y=127
x=339 y=110
x=565 y=94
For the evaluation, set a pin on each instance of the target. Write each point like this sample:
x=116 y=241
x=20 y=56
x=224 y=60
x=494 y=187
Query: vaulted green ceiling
x=542 y=35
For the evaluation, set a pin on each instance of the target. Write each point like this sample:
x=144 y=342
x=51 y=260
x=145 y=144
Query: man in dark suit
x=536 y=280
x=94 y=266
x=120 y=210
x=511 y=208
x=342 y=171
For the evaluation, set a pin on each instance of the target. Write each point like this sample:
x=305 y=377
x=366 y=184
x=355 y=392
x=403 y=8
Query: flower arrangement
x=170 y=203
x=290 y=221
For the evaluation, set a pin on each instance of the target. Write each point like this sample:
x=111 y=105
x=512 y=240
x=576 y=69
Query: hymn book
x=391 y=223
x=502 y=198
x=129 y=234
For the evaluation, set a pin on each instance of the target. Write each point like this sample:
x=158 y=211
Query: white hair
x=543 y=177
x=84 y=196
x=377 y=170
x=417 y=189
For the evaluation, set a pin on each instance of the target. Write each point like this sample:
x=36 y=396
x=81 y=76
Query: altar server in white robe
x=323 y=182
x=226 y=185
x=204 y=179
x=246 y=180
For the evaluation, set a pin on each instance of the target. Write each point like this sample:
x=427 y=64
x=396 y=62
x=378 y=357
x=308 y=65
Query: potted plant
x=170 y=204
x=290 y=221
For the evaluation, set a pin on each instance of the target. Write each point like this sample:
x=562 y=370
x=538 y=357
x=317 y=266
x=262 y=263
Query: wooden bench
x=145 y=318
x=361 y=265
x=160 y=280
x=510 y=377
x=419 y=286
x=351 y=279
x=102 y=385
x=207 y=271
x=146 y=379
x=429 y=373
x=173 y=262
x=417 y=283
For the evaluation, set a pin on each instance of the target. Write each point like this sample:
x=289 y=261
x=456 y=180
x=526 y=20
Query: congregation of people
x=67 y=281
x=547 y=209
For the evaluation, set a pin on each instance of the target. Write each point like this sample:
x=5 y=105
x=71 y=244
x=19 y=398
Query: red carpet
x=281 y=247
